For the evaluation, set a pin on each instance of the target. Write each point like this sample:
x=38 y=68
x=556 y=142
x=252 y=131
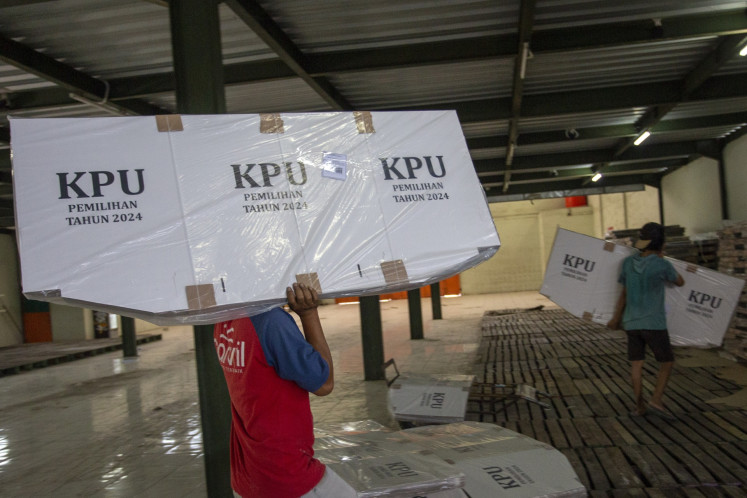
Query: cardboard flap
x=394 y=272
x=271 y=123
x=364 y=122
x=310 y=280
x=169 y=122
x=200 y=296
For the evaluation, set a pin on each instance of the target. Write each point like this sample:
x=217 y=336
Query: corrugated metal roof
x=115 y=37
x=614 y=66
x=292 y=95
x=707 y=108
x=568 y=13
x=581 y=120
x=341 y=24
x=485 y=128
x=567 y=146
x=690 y=135
x=426 y=85
x=119 y=38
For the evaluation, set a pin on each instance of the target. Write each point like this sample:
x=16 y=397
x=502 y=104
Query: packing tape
x=364 y=122
x=309 y=280
x=169 y=122
x=394 y=272
x=200 y=296
x=271 y=123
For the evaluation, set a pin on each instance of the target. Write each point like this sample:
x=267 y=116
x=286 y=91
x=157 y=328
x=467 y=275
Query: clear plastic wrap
x=198 y=219
x=582 y=273
x=499 y=462
x=484 y=460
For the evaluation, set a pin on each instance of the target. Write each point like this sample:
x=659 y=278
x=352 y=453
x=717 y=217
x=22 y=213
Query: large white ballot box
x=582 y=273
x=200 y=218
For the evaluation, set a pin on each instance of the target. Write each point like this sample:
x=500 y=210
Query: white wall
x=625 y=210
x=735 y=166
x=11 y=328
x=527 y=231
x=692 y=197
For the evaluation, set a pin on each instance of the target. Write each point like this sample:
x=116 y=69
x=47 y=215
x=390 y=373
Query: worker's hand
x=302 y=299
x=614 y=324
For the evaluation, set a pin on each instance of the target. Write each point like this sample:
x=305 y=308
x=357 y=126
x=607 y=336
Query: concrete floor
x=106 y=426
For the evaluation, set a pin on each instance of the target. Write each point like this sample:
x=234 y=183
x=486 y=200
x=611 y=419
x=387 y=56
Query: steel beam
x=415 y=309
x=196 y=47
x=129 y=337
x=265 y=27
x=436 y=301
x=372 y=338
x=72 y=80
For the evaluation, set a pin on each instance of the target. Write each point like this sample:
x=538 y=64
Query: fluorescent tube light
x=743 y=52
x=643 y=137
x=596 y=177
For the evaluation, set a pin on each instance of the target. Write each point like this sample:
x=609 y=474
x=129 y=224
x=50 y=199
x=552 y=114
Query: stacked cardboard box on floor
x=582 y=277
x=197 y=219
x=732 y=257
x=700 y=250
x=463 y=459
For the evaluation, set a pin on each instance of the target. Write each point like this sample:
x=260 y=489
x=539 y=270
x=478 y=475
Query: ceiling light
x=596 y=177
x=643 y=137
x=743 y=52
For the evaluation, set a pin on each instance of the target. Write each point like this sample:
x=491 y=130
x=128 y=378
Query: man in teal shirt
x=640 y=309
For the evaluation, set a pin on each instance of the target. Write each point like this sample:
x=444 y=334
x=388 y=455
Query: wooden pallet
x=23 y=357
x=584 y=369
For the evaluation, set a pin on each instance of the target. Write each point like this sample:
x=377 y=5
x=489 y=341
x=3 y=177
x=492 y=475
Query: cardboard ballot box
x=582 y=273
x=472 y=459
x=431 y=399
x=196 y=219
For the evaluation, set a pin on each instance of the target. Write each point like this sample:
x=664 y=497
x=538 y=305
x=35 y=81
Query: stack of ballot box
x=465 y=459
x=194 y=219
x=582 y=277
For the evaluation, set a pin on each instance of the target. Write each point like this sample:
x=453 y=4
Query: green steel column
x=372 y=338
x=436 y=300
x=198 y=61
x=722 y=182
x=129 y=339
x=416 y=314
x=215 y=412
x=198 y=70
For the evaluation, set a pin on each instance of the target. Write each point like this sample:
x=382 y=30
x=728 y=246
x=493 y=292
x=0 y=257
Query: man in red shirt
x=270 y=368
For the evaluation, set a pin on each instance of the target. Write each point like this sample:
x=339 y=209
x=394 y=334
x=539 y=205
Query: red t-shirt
x=270 y=370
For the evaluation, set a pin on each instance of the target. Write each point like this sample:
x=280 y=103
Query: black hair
x=655 y=233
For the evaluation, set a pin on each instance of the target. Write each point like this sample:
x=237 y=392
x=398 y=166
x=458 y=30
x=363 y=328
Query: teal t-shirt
x=644 y=280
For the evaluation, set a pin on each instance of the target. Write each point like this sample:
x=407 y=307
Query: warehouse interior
x=591 y=116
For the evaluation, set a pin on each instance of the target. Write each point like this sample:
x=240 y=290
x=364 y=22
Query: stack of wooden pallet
x=701 y=252
x=732 y=258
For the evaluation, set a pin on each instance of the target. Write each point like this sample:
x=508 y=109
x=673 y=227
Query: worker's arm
x=304 y=301
x=614 y=323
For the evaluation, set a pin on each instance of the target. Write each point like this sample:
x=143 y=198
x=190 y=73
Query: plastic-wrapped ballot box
x=699 y=312
x=450 y=461
x=430 y=399
x=500 y=462
x=197 y=219
x=582 y=274
x=381 y=463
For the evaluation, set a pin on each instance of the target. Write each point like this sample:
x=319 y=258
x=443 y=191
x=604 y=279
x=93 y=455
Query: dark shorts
x=657 y=340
